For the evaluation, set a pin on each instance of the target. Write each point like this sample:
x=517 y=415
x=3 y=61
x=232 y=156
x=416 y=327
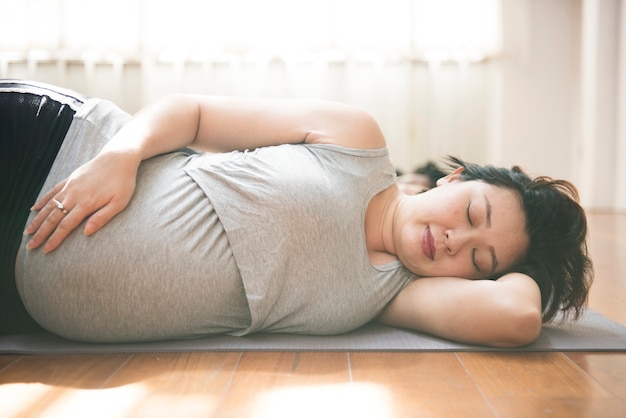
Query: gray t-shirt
x=294 y=216
x=267 y=240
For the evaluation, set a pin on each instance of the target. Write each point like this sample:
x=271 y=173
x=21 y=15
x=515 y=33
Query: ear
x=454 y=176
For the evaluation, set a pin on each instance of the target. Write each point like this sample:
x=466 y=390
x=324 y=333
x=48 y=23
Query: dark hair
x=557 y=257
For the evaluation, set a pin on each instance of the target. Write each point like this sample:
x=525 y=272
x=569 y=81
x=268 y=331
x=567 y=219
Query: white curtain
x=420 y=66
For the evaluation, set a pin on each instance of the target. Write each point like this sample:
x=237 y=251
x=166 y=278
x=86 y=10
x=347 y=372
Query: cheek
x=443 y=212
x=450 y=207
x=410 y=240
x=515 y=247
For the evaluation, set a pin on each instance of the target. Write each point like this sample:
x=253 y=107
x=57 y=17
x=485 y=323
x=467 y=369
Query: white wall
x=599 y=158
x=561 y=95
x=538 y=90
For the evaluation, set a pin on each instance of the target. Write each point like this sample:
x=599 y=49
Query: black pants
x=34 y=119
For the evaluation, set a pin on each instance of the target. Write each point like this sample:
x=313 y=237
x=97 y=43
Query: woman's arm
x=228 y=123
x=100 y=189
x=502 y=313
x=215 y=123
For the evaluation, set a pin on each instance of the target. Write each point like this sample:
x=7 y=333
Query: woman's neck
x=379 y=221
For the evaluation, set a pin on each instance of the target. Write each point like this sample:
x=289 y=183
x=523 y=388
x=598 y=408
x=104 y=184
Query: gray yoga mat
x=593 y=332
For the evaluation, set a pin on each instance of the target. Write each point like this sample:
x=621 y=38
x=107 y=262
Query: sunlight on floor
x=361 y=400
x=16 y=399
x=44 y=401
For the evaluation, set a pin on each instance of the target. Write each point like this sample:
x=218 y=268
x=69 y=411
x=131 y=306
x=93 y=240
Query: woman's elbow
x=524 y=327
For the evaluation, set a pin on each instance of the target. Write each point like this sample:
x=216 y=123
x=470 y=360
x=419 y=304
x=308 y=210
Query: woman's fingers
x=53 y=224
x=48 y=196
x=45 y=210
x=58 y=218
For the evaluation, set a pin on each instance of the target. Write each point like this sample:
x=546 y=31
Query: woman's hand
x=96 y=191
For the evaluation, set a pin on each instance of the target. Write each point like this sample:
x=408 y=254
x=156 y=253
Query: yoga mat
x=593 y=332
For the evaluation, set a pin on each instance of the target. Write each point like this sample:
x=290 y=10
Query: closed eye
x=474 y=260
x=469 y=219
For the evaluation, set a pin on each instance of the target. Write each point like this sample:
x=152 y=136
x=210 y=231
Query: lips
x=428 y=244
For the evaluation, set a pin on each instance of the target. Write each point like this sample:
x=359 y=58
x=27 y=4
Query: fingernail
x=29 y=246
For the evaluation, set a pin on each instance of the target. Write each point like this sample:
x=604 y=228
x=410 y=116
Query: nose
x=457 y=239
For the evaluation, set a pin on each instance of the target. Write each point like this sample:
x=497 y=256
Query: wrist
x=125 y=158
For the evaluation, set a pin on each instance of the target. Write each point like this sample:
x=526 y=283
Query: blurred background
x=537 y=83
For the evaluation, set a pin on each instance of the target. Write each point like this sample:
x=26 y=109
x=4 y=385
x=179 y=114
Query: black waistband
x=34 y=119
x=57 y=94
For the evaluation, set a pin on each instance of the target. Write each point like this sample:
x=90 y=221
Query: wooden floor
x=338 y=384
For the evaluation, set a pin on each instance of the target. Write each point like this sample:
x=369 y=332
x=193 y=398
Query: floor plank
x=608 y=369
x=560 y=407
x=289 y=384
x=538 y=384
x=7 y=360
x=175 y=384
x=38 y=386
x=420 y=384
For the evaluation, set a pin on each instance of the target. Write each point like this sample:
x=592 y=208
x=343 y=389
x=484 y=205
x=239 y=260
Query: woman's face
x=468 y=229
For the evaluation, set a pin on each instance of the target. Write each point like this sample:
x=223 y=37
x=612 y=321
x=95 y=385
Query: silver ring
x=60 y=206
